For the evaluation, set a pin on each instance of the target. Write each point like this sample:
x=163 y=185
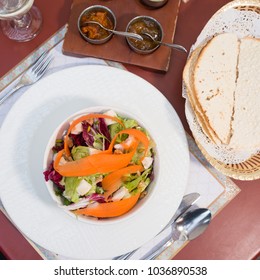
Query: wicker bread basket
x=249 y=169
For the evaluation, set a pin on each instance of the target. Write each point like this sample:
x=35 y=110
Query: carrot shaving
x=103 y=162
x=97 y=163
x=113 y=181
x=109 y=209
x=84 y=118
x=138 y=134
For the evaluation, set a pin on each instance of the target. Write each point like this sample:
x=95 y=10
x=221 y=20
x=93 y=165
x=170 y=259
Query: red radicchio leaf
x=58 y=146
x=87 y=136
x=97 y=197
x=104 y=130
x=78 y=139
x=52 y=175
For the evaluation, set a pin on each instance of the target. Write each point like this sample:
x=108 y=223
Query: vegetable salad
x=102 y=165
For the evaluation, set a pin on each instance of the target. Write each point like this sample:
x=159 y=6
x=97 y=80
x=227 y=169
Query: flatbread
x=246 y=123
x=222 y=81
x=189 y=84
x=214 y=78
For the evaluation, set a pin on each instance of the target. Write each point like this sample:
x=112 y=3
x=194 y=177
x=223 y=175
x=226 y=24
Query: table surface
x=234 y=232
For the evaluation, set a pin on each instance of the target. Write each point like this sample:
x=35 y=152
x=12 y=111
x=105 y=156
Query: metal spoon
x=175 y=46
x=187 y=202
x=120 y=33
x=188 y=227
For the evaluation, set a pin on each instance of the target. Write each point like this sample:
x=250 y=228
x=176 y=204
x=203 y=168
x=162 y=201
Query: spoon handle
x=125 y=256
x=158 y=249
x=162 y=245
x=127 y=34
x=175 y=46
x=120 y=33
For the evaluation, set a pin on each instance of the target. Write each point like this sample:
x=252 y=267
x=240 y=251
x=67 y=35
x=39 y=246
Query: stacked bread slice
x=222 y=79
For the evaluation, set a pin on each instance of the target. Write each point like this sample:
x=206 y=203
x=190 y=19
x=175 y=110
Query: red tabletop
x=234 y=232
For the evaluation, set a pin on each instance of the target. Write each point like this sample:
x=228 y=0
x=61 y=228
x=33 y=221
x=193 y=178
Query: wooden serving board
x=117 y=48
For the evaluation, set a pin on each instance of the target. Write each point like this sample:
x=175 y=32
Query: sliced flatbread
x=222 y=80
x=246 y=124
x=215 y=75
x=197 y=109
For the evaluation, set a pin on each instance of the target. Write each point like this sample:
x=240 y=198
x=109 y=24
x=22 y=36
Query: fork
x=32 y=75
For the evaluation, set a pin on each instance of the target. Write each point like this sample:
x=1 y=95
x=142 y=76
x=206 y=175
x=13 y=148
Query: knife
x=187 y=201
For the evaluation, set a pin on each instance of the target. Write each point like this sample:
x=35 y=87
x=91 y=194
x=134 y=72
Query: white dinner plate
x=25 y=134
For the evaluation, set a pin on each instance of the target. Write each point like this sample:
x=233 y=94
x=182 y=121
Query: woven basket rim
x=228 y=170
x=237 y=4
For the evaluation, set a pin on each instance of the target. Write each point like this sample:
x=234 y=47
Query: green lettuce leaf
x=71 y=184
x=93 y=180
x=79 y=152
x=114 y=129
x=133 y=184
x=141 y=182
x=144 y=184
x=129 y=123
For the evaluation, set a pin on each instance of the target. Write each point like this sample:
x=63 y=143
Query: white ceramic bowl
x=48 y=157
